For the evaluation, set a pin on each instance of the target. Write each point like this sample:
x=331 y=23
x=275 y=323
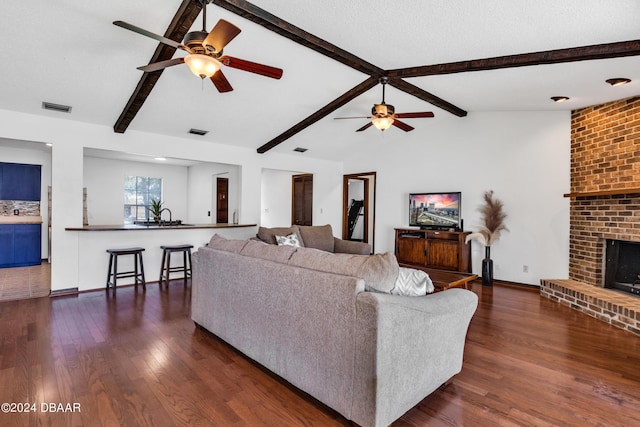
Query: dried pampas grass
x=493 y=216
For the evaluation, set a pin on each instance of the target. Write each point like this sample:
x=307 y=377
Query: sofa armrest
x=406 y=347
x=350 y=247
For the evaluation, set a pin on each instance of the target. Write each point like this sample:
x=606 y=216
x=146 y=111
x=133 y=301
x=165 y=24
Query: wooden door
x=302 y=203
x=222 y=206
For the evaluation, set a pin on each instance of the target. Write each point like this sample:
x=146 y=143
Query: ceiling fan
x=205 y=52
x=384 y=116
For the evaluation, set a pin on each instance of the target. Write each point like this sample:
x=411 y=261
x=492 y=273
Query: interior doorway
x=302 y=199
x=222 y=197
x=358 y=207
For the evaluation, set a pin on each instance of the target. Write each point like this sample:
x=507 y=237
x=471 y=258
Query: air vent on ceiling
x=300 y=149
x=56 y=107
x=198 y=132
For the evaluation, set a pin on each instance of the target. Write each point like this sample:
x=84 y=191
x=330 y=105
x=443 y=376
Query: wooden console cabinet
x=445 y=250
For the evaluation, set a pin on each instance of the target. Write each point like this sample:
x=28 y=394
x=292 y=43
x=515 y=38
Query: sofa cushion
x=290 y=240
x=379 y=271
x=268 y=235
x=222 y=243
x=412 y=282
x=317 y=236
x=257 y=249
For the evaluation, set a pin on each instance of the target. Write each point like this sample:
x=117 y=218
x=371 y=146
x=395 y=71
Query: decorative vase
x=487 y=267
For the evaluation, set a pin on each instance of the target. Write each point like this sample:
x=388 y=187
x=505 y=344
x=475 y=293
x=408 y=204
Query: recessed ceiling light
x=559 y=98
x=56 y=107
x=618 y=81
x=300 y=149
x=49 y=144
x=161 y=159
x=198 y=132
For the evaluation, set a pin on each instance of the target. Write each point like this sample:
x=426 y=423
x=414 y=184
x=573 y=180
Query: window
x=139 y=191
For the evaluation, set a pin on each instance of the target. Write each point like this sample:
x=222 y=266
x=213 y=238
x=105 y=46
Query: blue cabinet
x=19 y=181
x=20 y=245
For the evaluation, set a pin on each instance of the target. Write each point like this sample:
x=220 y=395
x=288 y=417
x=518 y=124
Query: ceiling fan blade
x=144 y=32
x=401 y=125
x=161 y=65
x=365 y=127
x=221 y=83
x=252 y=67
x=414 y=115
x=354 y=117
x=221 y=35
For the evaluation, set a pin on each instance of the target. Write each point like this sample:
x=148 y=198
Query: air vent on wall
x=198 y=132
x=56 y=107
x=300 y=149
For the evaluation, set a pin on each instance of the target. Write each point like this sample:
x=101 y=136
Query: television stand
x=444 y=250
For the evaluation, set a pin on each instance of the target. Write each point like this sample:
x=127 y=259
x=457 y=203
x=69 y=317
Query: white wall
x=276 y=198
x=69 y=138
x=35 y=154
x=523 y=156
x=202 y=191
x=104 y=181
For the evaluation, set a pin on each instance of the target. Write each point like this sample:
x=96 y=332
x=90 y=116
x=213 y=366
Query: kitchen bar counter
x=20 y=219
x=92 y=242
x=130 y=227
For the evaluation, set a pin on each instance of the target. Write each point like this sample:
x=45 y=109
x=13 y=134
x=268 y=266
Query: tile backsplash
x=25 y=208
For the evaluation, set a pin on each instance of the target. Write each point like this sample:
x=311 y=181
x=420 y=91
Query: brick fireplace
x=605 y=206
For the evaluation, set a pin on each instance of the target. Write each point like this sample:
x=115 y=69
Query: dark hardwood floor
x=137 y=359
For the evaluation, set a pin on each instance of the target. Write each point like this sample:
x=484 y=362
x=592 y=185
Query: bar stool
x=138 y=273
x=165 y=267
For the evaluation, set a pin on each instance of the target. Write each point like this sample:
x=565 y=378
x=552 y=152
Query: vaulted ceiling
x=452 y=57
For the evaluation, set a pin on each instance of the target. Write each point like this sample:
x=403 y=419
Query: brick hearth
x=611 y=306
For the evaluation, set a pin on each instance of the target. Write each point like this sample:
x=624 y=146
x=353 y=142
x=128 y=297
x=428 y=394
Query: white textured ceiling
x=68 y=52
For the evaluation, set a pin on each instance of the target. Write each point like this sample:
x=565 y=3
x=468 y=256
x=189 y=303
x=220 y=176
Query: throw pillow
x=268 y=235
x=317 y=236
x=290 y=240
x=412 y=282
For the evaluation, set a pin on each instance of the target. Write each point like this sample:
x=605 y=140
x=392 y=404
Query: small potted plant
x=156 y=209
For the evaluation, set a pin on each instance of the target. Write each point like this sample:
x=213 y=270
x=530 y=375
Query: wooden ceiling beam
x=557 y=56
x=324 y=111
x=180 y=24
x=285 y=29
x=426 y=96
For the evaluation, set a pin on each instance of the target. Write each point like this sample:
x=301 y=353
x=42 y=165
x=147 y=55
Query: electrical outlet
x=525 y=268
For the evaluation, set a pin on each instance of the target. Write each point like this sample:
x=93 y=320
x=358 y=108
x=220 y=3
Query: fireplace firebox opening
x=622 y=266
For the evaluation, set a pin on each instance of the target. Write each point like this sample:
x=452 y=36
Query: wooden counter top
x=20 y=219
x=129 y=227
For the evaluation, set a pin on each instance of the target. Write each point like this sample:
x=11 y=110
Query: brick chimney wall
x=605 y=184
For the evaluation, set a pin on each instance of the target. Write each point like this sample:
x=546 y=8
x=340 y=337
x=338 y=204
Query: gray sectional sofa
x=304 y=314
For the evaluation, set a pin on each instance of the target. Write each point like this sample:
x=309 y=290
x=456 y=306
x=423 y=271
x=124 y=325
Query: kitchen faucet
x=165 y=209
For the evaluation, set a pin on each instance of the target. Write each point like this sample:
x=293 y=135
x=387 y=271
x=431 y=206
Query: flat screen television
x=435 y=211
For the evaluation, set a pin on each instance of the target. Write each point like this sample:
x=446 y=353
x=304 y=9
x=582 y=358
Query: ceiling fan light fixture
x=382 y=123
x=202 y=65
x=618 y=81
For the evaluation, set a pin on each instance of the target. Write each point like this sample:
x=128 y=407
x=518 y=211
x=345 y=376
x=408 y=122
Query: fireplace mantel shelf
x=603 y=193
